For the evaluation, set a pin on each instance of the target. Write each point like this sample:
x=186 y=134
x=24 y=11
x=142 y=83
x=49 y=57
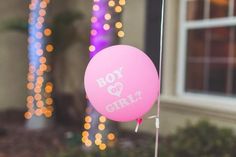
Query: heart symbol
x=115 y=89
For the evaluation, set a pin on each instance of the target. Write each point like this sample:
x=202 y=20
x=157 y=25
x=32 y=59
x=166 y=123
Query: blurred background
x=45 y=46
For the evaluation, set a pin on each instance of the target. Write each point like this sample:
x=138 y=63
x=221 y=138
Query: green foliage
x=117 y=151
x=200 y=140
x=61 y=24
x=67 y=17
x=64 y=31
x=20 y=25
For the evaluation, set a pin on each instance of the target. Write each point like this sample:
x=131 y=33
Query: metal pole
x=160 y=72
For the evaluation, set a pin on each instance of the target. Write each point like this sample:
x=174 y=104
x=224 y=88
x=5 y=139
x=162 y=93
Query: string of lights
x=39 y=100
x=103 y=28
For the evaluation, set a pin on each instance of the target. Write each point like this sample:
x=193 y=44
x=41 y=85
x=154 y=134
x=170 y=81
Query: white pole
x=160 y=71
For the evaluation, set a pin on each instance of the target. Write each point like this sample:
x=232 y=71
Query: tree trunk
x=103 y=34
x=39 y=100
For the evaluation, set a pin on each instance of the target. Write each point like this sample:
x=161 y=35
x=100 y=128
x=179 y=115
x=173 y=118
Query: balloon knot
x=139 y=122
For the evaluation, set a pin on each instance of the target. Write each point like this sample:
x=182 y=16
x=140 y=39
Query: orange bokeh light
x=42 y=12
x=48 y=89
x=49 y=48
x=38 y=97
x=49 y=101
x=101 y=127
x=43 y=4
x=102 y=146
x=38 y=112
x=102 y=119
x=39 y=52
x=30 y=85
x=27 y=115
x=111 y=136
x=47 y=32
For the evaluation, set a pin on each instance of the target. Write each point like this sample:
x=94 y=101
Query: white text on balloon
x=124 y=102
x=110 y=77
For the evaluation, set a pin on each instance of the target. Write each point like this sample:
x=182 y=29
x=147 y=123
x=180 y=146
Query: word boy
x=110 y=77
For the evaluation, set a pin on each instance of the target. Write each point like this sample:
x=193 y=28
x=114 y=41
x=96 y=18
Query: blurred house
x=199 y=62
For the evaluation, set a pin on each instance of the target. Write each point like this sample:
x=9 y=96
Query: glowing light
x=39 y=52
x=85 y=133
x=48 y=113
x=88 y=119
x=39 y=35
x=49 y=48
x=42 y=12
x=38 y=112
x=29 y=105
x=30 y=98
x=98 y=136
x=37 y=90
x=107 y=16
x=87 y=126
x=92 y=48
x=38 y=97
x=48 y=89
x=27 y=115
x=47 y=32
x=39 y=72
x=30 y=85
x=30 y=78
x=47 y=1
x=99 y=39
x=37 y=62
x=31 y=7
x=93 y=32
x=106 y=26
x=102 y=146
x=49 y=101
x=88 y=143
x=42 y=60
x=43 y=4
x=50 y=108
x=118 y=25
x=39 y=25
x=40 y=79
x=101 y=127
x=40 y=19
x=121 y=34
x=118 y=9
x=102 y=119
x=98 y=142
x=43 y=67
x=111 y=136
x=122 y=2
x=94 y=19
x=96 y=7
x=84 y=139
x=49 y=84
x=111 y=3
x=40 y=104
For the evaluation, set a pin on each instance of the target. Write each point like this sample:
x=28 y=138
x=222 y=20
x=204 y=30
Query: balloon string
x=160 y=72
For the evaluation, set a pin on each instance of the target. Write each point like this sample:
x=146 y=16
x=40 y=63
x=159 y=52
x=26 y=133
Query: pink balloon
x=121 y=83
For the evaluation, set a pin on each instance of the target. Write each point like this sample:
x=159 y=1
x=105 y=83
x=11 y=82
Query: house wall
x=176 y=110
x=13 y=57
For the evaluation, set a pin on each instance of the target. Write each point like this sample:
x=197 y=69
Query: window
x=207 y=47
